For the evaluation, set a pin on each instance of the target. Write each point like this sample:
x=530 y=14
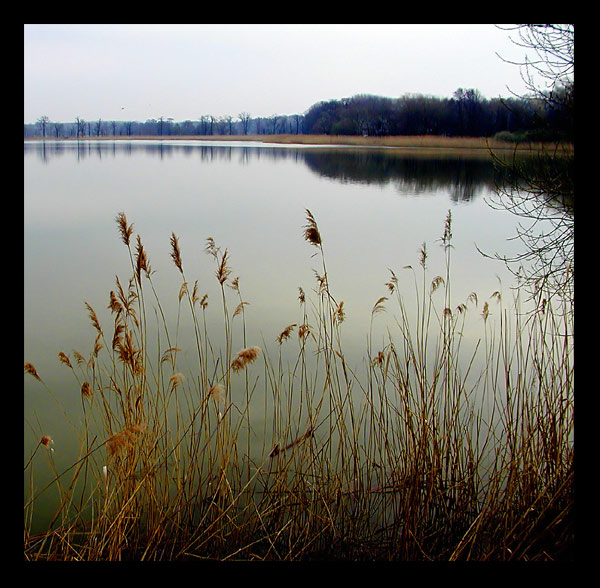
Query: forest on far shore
x=465 y=114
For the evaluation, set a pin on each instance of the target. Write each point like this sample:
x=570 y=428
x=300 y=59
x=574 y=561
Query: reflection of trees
x=413 y=174
x=161 y=149
x=462 y=176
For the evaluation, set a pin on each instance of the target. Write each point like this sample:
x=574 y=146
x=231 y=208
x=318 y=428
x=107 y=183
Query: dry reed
x=416 y=455
x=30 y=369
x=245 y=357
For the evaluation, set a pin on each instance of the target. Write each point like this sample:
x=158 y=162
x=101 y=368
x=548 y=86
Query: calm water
x=374 y=209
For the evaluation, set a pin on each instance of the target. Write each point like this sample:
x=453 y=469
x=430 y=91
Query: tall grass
x=420 y=142
x=431 y=450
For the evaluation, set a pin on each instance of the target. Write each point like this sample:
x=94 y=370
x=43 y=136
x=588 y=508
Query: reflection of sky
x=253 y=203
x=256 y=210
x=250 y=202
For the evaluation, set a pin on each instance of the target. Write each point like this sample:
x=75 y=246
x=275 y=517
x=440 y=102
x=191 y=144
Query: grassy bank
x=400 y=142
x=420 y=456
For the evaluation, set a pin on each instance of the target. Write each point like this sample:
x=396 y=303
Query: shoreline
x=436 y=142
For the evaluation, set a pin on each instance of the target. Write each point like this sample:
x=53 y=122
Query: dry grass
x=420 y=456
x=422 y=143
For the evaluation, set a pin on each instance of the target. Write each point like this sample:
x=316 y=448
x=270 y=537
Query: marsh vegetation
x=431 y=450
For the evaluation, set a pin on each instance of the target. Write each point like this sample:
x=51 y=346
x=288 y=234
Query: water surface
x=374 y=208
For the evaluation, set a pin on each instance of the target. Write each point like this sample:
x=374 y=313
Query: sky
x=136 y=72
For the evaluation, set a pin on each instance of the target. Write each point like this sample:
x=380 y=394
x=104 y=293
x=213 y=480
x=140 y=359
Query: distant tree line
x=466 y=113
x=244 y=124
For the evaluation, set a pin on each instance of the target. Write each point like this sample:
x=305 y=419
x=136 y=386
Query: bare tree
x=205 y=121
x=228 y=123
x=541 y=189
x=245 y=120
x=212 y=120
x=548 y=69
x=298 y=120
x=80 y=125
x=275 y=123
x=549 y=72
x=43 y=121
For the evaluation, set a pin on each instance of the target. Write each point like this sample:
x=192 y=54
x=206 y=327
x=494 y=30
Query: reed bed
x=431 y=451
x=432 y=143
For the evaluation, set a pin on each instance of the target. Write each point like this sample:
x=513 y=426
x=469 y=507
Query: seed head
x=311 y=231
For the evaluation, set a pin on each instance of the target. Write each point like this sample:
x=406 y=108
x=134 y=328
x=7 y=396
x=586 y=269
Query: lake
x=375 y=208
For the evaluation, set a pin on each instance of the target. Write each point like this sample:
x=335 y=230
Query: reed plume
x=311 y=231
x=79 y=357
x=303 y=331
x=114 y=305
x=436 y=283
x=116 y=341
x=195 y=295
x=301 y=295
x=124 y=440
x=170 y=355
x=239 y=309
x=46 y=441
x=32 y=371
x=216 y=391
x=182 y=291
x=285 y=334
x=86 y=390
x=485 y=313
x=423 y=255
x=94 y=318
x=245 y=357
x=175 y=380
x=223 y=271
x=393 y=283
x=128 y=353
x=379 y=306
x=97 y=345
x=176 y=253
x=64 y=359
x=141 y=260
x=339 y=313
x=125 y=229
x=211 y=247
x=447 y=235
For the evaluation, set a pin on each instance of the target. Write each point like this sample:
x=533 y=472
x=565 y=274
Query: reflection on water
x=374 y=207
x=411 y=172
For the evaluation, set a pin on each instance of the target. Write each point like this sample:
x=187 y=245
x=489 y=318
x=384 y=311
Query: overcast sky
x=137 y=72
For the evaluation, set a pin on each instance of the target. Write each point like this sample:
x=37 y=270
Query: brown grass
x=417 y=143
x=244 y=357
x=409 y=459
